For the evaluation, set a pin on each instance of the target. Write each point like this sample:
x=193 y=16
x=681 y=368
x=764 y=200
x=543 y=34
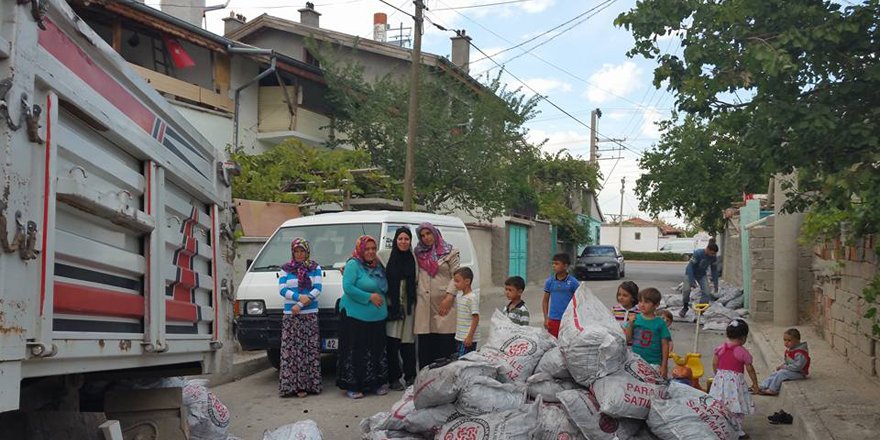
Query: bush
x=653 y=256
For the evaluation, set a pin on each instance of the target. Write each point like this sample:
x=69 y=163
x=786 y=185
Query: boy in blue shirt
x=648 y=332
x=558 y=290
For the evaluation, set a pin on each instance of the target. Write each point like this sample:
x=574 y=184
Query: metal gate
x=518 y=250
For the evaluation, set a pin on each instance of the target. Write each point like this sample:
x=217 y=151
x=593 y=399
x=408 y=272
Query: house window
x=638 y=235
x=311 y=59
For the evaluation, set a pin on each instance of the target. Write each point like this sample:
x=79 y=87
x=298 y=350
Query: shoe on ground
x=783 y=418
x=383 y=390
x=397 y=385
x=683 y=312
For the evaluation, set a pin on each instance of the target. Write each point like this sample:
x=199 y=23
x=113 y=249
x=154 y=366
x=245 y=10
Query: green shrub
x=653 y=256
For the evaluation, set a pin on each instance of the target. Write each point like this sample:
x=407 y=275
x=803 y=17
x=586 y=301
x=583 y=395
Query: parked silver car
x=596 y=261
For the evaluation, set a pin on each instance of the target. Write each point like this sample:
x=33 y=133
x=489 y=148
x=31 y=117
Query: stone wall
x=761 y=259
x=731 y=253
x=841 y=274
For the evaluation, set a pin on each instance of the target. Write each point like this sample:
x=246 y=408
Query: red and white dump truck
x=114 y=217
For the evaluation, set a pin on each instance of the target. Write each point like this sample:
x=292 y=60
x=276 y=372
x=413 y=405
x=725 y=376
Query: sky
x=579 y=67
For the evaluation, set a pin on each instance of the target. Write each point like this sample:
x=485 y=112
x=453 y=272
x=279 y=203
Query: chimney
x=233 y=23
x=309 y=16
x=380 y=27
x=190 y=11
x=461 y=50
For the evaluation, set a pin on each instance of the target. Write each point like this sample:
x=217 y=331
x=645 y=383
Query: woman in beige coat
x=435 y=304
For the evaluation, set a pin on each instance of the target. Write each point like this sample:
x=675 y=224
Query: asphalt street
x=255 y=406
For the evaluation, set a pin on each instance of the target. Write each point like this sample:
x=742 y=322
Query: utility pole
x=594 y=135
x=620 y=219
x=409 y=173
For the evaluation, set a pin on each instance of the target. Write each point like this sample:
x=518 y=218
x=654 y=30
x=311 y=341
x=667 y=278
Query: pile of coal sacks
x=525 y=384
x=727 y=305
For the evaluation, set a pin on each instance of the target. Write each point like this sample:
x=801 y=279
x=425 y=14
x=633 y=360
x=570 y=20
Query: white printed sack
x=207 y=416
x=689 y=413
x=553 y=364
x=592 y=342
x=553 y=424
x=391 y=420
x=546 y=386
x=515 y=424
x=583 y=410
x=427 y=422
x=521 y=347
x=303 y=430
x=483 y=395
x=438 y=383
x=628 y=392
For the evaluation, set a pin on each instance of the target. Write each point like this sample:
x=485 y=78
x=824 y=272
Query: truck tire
x=274 y=355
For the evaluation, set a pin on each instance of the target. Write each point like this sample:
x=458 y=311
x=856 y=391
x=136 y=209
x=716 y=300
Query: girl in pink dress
x=730 y=362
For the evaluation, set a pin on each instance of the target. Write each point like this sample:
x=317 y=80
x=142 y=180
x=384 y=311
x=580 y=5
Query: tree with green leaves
x=793 y=86
x=471 y=151
x=293 y=172
x=556 y=179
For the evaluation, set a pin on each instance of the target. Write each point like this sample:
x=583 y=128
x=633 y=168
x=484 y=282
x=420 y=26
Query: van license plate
x=594 y=269
x=331 y=344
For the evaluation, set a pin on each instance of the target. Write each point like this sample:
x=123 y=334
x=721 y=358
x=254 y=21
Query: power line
x=549 y=30
x=482 y=6
x=553 y=65
x=399 y=10
x=601 y=6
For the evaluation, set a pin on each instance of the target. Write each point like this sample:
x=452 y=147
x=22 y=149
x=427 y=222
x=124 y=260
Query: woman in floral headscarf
x=362 y=363
x=435 y=302
x=300 y=285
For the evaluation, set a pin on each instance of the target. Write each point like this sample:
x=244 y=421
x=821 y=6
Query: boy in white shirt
x=467 y=304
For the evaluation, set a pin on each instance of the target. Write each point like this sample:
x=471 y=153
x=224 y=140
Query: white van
x=684 y=246
x=332 y=238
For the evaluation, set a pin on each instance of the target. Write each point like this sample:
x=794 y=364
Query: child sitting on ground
x=795 y=366
x=649 y=335
x=516 y=308
x=729 y=384
x=467 y=305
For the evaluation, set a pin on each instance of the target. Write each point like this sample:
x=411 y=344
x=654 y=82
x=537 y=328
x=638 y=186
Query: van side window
x=458 y=238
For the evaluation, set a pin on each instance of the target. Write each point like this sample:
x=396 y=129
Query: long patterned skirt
x=300 y=355
x=362 y=363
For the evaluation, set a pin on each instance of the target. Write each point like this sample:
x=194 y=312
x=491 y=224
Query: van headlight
x=254 y=307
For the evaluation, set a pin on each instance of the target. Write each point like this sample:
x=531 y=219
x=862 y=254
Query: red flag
x=179 y=57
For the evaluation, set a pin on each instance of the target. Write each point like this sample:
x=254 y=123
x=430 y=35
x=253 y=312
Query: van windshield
x=331 y=244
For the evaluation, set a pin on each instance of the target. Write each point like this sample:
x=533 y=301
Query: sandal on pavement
x=302 y=394
x=382 y=390
x=354 y=395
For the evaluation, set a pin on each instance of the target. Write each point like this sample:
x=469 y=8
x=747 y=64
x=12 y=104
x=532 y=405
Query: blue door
x=518 y=250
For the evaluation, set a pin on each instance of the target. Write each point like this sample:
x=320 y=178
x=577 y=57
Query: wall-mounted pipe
x=235 y=116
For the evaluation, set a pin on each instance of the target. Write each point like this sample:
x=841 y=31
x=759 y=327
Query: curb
x=241 y=370
x=793 y=399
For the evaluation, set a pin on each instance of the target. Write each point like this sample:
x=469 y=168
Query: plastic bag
x=303 y=430
x=207 y=416
x=521 y=346
x=483 y=395
x=391 y=420
x=386 y=435
x=439 y=383
x=553 y=364
x=515 y=424
x=583 y=410
x=592 y=342
x=628 y=393
x=546 y=386
x=553 y=424
x=688 y=413
x=428 y=421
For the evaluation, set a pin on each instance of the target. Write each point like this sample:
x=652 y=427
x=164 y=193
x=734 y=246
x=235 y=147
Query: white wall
x=648 y=241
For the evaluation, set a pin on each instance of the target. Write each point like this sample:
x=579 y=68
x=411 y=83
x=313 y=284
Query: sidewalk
x=836 y=402
x=244 y=363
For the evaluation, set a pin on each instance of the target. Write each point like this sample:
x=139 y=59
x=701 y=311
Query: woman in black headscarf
x=401 y=275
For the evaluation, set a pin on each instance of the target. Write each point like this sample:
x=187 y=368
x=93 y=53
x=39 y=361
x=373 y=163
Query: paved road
x=255 y=405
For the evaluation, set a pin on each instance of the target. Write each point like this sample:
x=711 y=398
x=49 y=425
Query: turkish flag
x=179 y=57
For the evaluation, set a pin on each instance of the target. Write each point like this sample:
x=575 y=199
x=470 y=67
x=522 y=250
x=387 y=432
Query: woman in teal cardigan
x=362 y=364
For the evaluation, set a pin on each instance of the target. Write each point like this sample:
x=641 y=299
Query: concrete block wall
x=732 y=253
x=761 y=258
x=841 y=273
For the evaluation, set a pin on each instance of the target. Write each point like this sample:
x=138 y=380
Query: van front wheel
x=274 y=355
